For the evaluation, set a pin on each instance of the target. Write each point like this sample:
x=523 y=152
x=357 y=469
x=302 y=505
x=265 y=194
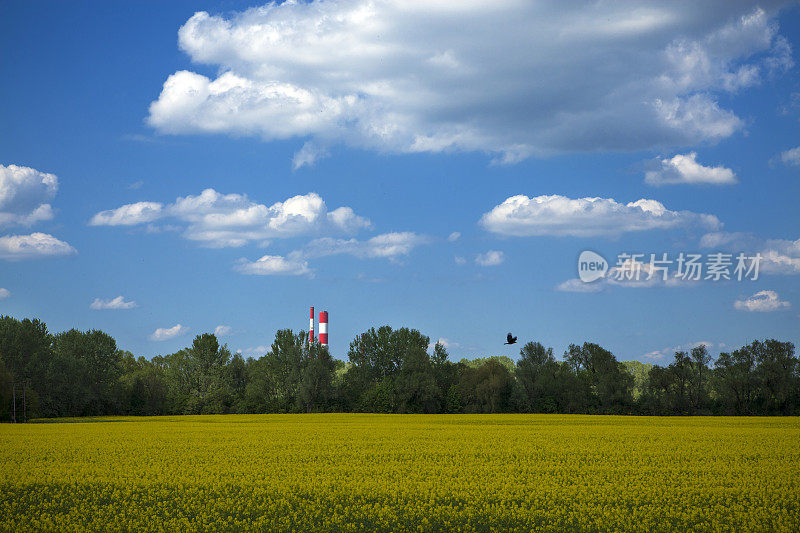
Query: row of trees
x=78 y=373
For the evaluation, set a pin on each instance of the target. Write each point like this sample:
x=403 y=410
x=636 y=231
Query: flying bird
x=510 y=339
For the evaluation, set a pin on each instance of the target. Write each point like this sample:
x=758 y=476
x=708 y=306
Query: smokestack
x=323 y=328
x=311 y=326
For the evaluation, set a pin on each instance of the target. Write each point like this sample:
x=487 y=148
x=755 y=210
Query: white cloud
x=453 y=237
x=778 y=256
x=112 y=303
x=128 y=215
x=222 y=330
x=460 y=260
x=762 y=301
x=253 y=351
x=781 y=256
x=33 y=246
x=447 y=343
x=345 y=219
x=721 y=238
x=275 y=265
x=586 y=217
x=25 y=194
x=4 y=293
x=508 y=77
x=490 y=258
x=632 y=273
x=308 y=155
x=669 y=352
x=230 y=220
x=791 y=157
x=686 y=169
x=162 y=334
x=386 y=245
x=576 y=285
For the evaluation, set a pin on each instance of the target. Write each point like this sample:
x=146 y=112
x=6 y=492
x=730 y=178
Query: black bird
x=510 y=339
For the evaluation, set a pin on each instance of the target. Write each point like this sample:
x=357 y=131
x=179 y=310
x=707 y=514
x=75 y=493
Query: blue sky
x=421 y=120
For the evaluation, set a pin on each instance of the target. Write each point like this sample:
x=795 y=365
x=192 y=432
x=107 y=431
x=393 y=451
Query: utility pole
x=24 y=402
x=13 y=402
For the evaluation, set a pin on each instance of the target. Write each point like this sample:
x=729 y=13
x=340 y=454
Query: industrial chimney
x=311 y=327
x=323 y=328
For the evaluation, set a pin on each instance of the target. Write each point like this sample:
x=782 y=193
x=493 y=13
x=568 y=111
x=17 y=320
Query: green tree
x=415 y=385
x=736 y=381
x=487 y=389
x=285 y=362
x=26 y=349
x=144 y=389
x=316 y=385
x=377 y=357
x=609 y=384
x=639 y=371
x=84 y=374
x=699 y=396
x=777 y=376
x=538 y=372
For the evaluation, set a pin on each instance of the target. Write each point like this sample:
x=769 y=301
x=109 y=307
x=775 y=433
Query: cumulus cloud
x=778 y=256
x=685 y=169
x=275 y=265
x=253 y=351
x=508 y=77
x=576 y=285
x=762 y=301
x=33 y=246
x=446 y=343
x=586 y=217
x=308 y=155
x=633 y=273
x=490 y=258
x=112 y=303
x=345 y=220
x=222 y=330
x=386 y=245
x=453 y=237
x=163 y=334
x=4 y=293
x=219 y=220
x=671 y=350
x=25 y=194
x=128 y=215
x=460 y=260
x=791 y=157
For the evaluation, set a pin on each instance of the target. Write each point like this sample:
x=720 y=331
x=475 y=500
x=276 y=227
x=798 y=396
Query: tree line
x=84 y=373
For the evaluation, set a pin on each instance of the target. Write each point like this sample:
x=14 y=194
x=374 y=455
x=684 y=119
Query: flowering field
x=401 y=472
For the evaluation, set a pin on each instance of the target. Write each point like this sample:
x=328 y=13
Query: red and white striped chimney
x=323 y=328
x=311 y=326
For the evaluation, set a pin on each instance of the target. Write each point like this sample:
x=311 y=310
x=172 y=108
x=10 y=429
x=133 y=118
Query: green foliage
x=488 y=388
x=316 y=385
x=639 y=371
x=478 y=362
x=415 y=386
x=609 y=385
x=77 y=373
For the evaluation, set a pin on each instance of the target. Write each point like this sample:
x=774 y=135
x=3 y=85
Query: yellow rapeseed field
x=350 y=472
